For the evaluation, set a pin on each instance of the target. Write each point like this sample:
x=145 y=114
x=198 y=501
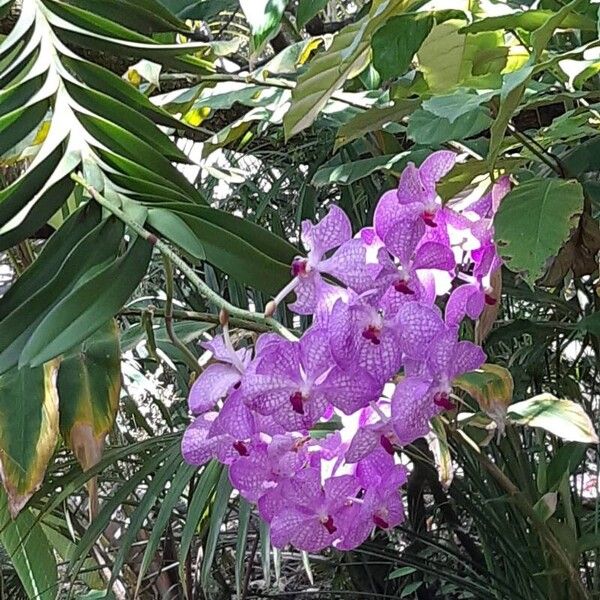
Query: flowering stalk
x=166 y=250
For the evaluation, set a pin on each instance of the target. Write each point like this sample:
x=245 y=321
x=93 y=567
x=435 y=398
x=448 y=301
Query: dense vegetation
x=157 y=158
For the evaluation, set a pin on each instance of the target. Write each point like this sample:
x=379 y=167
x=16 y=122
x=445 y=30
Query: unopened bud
x=270 y=308
x=223 y=318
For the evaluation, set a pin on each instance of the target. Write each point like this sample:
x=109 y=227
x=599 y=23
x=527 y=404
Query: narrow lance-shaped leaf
x=30 y=552
x=28 y=430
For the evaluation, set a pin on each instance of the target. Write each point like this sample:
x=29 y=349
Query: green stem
x=190 y=359
x=209 y=294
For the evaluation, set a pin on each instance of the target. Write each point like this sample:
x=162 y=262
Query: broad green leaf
x=401 y=572
x=564 y=418
x=88 y=307
x=264 y=17
x=448 y=58
x=199 y=9
x=30 y=552
x=307 y=9
x=515 y=83
x=534 y=220
x=591 y=324
x=428 y=129
x=529 y=20
x=563 y=464
x=455 y=105
x=396 y=43
x=28 y=430
x=89 y=384
x=347 y=56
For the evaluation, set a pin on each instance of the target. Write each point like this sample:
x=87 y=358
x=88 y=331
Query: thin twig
x=205 y=290
x=201 y=317
x=190 y=359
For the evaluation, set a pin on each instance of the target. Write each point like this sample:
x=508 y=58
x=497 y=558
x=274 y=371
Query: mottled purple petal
x=435 y=166
x=412 y=408
x=196 y=447
x=331 y=231
x=267 y=393
x=315 y=352
x=306 y=294
x=465 y=299
x=468 y=357
x=211 y=385
x=434 y=256
x=351 y=391
x=349 y=265
x=418 y=326
x=410 y=186
x=301 y=529
x=363 y=443
x=235 y=419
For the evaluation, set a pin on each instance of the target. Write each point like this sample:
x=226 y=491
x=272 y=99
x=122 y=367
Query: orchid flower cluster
x=304 y=426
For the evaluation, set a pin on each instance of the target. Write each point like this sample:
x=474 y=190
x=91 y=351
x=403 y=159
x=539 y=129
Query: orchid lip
x=241 y=448
x=372 y=334
x=442 y=400
x=401 y=286
x=380 y=522
x=387 y=445
x=297 y=401
x=489 y=300
x=429 y=218
x=328 y=524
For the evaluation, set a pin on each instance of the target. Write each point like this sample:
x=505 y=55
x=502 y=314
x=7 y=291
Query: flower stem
x=193 y=278
x=190 y=359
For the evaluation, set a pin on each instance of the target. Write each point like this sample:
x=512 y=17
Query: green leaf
x=545 y=507
x=455 y=105
x=448 y=58
x=28 y=430
x=396 y=43
x=84 y=310
x=89 y=385
x=374 y=119
x=428 y=129
x=563 y=418
x=201 y=10
x=515 y=83
x=348 y=173
x=307 y=9
x=591 y=324
x=347 y=56
x=491 y=386
x=401 y=572
x=244 y=513
x=529 y=20
x=410 y=588
x=175 y=229
x=264 y=17
x=563 y=464
x=30 y=552
x=533 y=222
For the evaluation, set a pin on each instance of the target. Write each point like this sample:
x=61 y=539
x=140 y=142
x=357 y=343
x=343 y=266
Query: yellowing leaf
x=28 y=430
x=564 y=418
x=89 y=385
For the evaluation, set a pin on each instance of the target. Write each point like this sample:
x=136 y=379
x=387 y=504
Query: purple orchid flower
x=331 y=232
x=226 y=435
x=311 y=516
x=299 y=381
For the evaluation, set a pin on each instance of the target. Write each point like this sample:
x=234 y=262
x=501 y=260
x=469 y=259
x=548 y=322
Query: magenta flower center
x=443 y=400
x=429 y=218
x=489 y=300
x=328 y=524
x=372 y=334
x=387 y=445
x=380 y=521
x=401 y=286
x=297 y=401
x=241 y=448
x=300 y=267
